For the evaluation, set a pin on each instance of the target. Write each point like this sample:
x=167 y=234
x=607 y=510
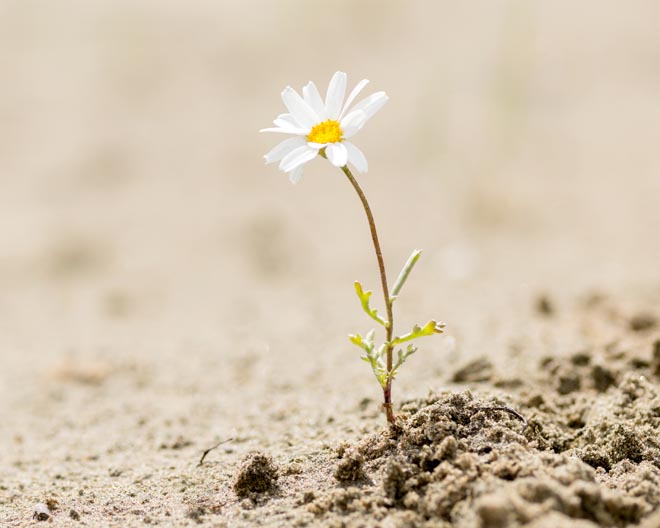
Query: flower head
x=322 y=126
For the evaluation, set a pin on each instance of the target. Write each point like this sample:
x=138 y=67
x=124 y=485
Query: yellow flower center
x=327 y=132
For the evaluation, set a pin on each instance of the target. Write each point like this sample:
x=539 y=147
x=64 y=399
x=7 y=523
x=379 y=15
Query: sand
x=163 y=292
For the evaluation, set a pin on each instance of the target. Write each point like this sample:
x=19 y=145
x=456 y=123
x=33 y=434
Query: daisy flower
x=322 y=127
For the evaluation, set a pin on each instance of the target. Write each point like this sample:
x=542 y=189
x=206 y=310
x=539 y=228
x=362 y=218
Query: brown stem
x=387 y=390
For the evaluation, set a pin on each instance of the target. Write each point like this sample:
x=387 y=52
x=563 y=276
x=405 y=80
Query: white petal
x=356 y=157
x=337 y=154
x=316 y=146
x=297 y=157
x=353 y=122
x=299 y=109
x=283 y=148
x=286 y=118
x=295 y=131
x=296 y=174
x=370 y=105
x=313 y=98
x=354 y=93
x=334 y=97
x=293 y=128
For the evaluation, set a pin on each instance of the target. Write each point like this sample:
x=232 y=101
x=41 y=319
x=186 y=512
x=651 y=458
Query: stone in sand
x=41 y=512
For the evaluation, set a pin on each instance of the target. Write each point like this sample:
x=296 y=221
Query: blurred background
x=146 y=251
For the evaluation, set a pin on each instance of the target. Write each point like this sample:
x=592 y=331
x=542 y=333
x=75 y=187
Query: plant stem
x=387 y=390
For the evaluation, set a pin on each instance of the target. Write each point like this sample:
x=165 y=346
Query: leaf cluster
x=375 y=355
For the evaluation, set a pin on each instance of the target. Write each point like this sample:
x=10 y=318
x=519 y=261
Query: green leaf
x=366 y=343
x=364 y=297
x=357 y=340
x=373 y=357
x=401 y=359
x=405 y=271
x=410 y=350
x=430 y=328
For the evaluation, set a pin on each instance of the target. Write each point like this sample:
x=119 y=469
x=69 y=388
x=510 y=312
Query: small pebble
x=41 y=512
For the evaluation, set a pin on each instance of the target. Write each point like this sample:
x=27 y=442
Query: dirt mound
x=257 y=474
x=457 y=461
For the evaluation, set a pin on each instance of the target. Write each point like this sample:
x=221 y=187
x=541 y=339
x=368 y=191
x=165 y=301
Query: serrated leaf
x=410 y=351
x=430 y=328
x=366 y=343
x=402 y=356
x=364 y=297
x=363 y=343
x=381 y=376
x=356 y=339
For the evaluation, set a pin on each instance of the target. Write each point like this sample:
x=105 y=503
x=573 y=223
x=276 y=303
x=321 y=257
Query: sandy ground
x=161 y=290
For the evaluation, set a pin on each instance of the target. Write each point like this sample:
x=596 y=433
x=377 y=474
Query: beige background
x=157 y=280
